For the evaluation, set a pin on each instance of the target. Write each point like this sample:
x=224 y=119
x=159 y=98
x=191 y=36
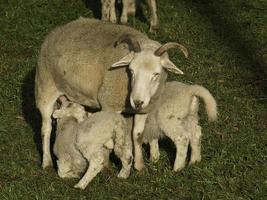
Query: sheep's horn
x=170 y=45
x=131 y=41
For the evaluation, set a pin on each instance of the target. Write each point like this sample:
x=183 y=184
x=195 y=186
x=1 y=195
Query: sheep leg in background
x=139 y=125
x=131 y=7
x=124 y=14
x=105 y=9
x=108 y=11
x=195 y=143
x=112 y=10
x=96 y=164
x=154 y=150
x=154 y=24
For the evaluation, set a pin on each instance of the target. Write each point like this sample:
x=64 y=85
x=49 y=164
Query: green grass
x=227 y=41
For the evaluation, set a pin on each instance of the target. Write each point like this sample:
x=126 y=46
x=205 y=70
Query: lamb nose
x=138 y=104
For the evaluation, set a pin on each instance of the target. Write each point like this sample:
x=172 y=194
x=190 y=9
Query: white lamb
x=81 y=141
x=176 y=117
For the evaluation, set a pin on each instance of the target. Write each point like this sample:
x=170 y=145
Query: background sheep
x=75 y=59
x=90 y=141
x=177 y=118
x=129 y=7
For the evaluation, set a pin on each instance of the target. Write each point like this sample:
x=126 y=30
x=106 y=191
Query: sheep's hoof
x=139 y=166
x=123 y=174
x=80 y=186
x=177 y=169
x=124 y=20
x=47 y=162
x=154 y=159
x=194 y=161
x=154 y=29
x=113 y=21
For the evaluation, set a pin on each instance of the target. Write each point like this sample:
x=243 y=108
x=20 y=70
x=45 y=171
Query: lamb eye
x=156 y=74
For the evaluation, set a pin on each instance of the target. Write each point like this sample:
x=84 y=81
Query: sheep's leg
x=95 y=166
x=108 y=148
x=154 y=24
x=106 y=158
x=126 y=160
x=124 y=14
x=45 y=104
x=139 y=125
x=154 y=150
x=195 y=143
x=131 y=7
x=123 y=149
x=181 y=143
x=112 y=10
x=105 y=10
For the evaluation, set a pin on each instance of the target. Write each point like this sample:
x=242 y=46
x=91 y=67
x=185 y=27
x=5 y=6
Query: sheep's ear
x=57 y=114
x=124 y=61
x=169 y=66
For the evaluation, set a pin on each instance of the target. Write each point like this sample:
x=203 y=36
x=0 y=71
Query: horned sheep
x=176 y=117
x=83 y=144
x=86 y=59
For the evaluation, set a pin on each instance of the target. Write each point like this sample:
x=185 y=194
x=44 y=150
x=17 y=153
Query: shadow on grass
x=95 y=6
x=31 y=114
x=231 y=32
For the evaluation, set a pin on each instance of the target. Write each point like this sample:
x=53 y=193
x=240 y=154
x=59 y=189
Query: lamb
x=84 y=60
x=129 y=7
x=82 y=140
x=177 y=118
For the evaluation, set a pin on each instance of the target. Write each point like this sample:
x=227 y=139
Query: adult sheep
x=75 y=61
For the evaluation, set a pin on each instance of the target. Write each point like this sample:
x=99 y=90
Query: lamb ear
x=124 y=61
x=169 y=66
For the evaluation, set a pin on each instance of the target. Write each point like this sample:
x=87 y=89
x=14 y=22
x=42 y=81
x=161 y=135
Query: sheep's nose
x=138 y=104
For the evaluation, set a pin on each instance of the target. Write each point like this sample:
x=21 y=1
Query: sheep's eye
x=131 y=71
x=155 y=76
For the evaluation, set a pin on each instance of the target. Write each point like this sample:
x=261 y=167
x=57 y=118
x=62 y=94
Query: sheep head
x=147 y=68
x=70 y=109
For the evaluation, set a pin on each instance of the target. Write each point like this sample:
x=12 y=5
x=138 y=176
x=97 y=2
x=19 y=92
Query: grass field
x=227 y=41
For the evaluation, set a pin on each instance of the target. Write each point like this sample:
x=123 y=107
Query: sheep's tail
x=210 y=103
